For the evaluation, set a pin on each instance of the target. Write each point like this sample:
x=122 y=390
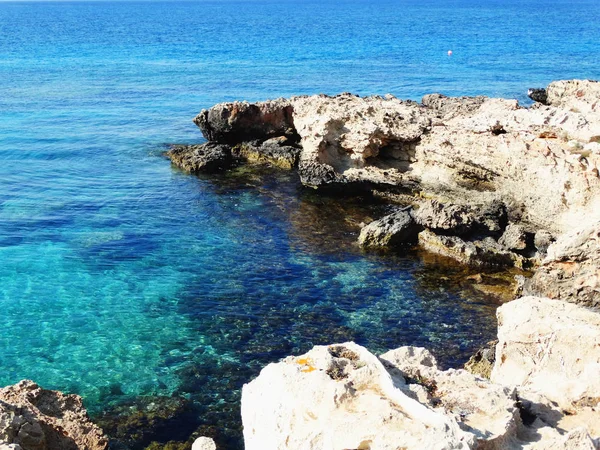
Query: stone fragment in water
x=393 y=230
x=210 y=157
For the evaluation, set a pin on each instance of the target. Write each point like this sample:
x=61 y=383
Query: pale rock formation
x=537 y=337
x=543 y=161
x=486 y=410
x=571 y=269
x=32 y=418
x=342 y=396
x=550 y=350
x=204 y=443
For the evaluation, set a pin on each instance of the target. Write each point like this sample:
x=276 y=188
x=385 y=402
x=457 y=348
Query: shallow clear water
x=120 y=276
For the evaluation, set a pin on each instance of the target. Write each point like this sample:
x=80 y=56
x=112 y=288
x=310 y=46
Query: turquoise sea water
x=123 y=277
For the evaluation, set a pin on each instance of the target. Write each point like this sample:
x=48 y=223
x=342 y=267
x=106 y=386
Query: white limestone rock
x=204 y=443
x=343 y=397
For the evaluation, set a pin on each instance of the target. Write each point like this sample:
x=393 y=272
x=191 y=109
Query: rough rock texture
x=343 y=397
x=542 y=161
x=486 y=410
x=437 y=216
x=32 y=418
x=340 y=397
x=233 y=123
x=209 y=157
x=516 y=238
x=390 y=231
x=571 y=270
x=275 y=151
x=483 y=253
x=482 y=362
x=537 y=338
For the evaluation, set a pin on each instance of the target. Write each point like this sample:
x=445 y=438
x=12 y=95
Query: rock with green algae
x=147 y=420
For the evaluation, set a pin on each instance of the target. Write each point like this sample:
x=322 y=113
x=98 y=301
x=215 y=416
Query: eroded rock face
x=32 y=418
x=209 y=158
x=571 y=270
x=550 y=346
x=342 y=396
x=233 y=123
x=480 y=252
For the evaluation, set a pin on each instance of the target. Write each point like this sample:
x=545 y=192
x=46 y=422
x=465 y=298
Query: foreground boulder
x=32 y=418
x=393 y=230
x=343 y=397
x=340 y=397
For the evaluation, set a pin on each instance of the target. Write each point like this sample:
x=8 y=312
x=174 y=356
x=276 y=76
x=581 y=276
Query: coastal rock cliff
x=543 y=161
x=484 y=181
x=32 y=418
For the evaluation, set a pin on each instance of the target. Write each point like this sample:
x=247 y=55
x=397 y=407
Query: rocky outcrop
x=233 y=123
x=342 y=396
x=537 y=338
x=209 y=157
x=541 y=162
x=276 y=151
x=571 y=270
x=482 y=253
x=393 y=230
x=32 y=418
x=503 y=181
x=549 y=350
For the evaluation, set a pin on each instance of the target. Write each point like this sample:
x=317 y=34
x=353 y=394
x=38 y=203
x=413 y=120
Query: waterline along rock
x=491 y=183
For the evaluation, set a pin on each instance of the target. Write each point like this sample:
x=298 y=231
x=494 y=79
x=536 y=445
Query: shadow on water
x=302 y=282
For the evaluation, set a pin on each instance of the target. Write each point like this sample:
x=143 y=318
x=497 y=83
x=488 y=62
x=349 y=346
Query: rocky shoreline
x=483 y=181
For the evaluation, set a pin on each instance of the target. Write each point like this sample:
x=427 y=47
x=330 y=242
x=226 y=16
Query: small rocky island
x=483 y=181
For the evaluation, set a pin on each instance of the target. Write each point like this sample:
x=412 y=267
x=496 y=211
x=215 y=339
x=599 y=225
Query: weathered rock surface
x=233 y=123
x=32 y=418
x=338 y=397
x=571 y=270
x=482 y=362
x=550 y=346
x=516 y=238
x=342 y=396
x=432 y=214
x=209 y=157
x=542 y=161
x=391 y=231
x=275 y=151
x=204 y=443
x=483 y=253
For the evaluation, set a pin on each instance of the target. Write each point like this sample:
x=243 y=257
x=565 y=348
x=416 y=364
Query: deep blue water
x=121 y=276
